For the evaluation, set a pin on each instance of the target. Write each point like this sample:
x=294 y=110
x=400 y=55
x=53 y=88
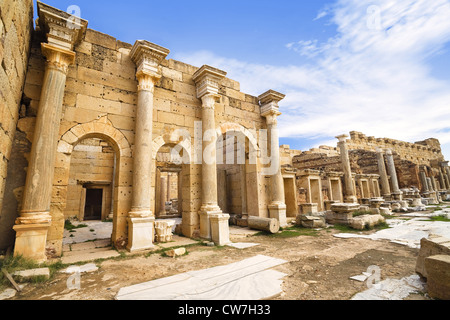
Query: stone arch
x=250 y=183
x=122 y=182
x=234 y=127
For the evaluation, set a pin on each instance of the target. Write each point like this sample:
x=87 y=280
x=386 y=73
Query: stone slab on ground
x=248 y=279
x=177 y=241
x=392 y=289
x=7 y=294
x=71 y=257
x=244 y=232
x=90 y=267
x=403 y=232
x=32 y=273
x=242 y=245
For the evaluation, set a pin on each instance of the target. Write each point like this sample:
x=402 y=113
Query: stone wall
x=100 y=102
x=16 y=25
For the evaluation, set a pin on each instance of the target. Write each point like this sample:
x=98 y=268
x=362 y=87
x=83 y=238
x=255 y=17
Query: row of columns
x=35 y=219
x=349 y=189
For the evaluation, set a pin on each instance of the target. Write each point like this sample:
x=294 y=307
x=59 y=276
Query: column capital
x=269 y=103
x=389 y=152
x=62 y=29
x=58 y=58
x=207 y=80
x=148 y=56
x=342 y=138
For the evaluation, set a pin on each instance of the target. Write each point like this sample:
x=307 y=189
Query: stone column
x=270 y=110
x=162 y=196
x=423 y=180
x=396 y=192
x=35 y=219
x=385 y=188
x=147 y=56
x=207 y=80
x=168 y=185
x=349 y=190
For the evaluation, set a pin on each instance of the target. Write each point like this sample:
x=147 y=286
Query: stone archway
x=101 y=129
x=249 y=173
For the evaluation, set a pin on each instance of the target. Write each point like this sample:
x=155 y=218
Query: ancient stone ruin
x=93 y=128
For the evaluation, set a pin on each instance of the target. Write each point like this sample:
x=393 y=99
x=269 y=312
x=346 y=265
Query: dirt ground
x=318 y=268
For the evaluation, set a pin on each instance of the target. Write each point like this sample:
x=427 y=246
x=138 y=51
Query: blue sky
x=381 y=67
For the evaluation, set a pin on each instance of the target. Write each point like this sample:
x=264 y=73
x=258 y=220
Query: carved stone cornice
x=269 y=103
x=207 y=80
x=148 y=56
x=61 y=28
x=57 y=58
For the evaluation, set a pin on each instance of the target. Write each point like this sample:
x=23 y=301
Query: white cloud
x=372 y=76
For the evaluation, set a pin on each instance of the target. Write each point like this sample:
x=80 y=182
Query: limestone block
x=366 y=221
x=176 y=252
x=345 y=207
x=312 y=222
x=32 y=273
x=435 y=245
x=438 y=276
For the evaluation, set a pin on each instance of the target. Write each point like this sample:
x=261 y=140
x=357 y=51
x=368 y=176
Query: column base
x=220 y=229
x=397 y=196
x=205 y=224
x=140 y=234
x=351 y=199
x=278 y=211
x=31 y=240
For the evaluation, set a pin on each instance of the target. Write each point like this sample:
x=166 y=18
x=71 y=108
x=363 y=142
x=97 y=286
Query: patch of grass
x=13 y=264
x=70 y=227
x=441 y=218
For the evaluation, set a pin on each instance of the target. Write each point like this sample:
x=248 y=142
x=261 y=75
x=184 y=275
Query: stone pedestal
x=205 y=214
x=220 y=232
x=308 y=208
x=140 y=234
x=31 y=240
x=278 y=211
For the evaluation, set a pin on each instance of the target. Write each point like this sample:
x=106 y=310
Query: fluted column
x=207 y=80
x=270 y=110
x=35 y=219
x=396 y=192
x=385 y=188
x=349 y=189
x=147 y=57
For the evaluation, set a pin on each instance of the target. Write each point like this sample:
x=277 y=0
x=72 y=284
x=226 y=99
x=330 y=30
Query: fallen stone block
x=435 y=245
x=366 y=221
x=90 y=267
x=438 y=276
x=176 y=252
x=32 y=273
x=312 y=222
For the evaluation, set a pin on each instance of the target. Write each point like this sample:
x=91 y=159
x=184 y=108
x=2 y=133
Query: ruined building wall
x=100 y=99
x=420 y=153
x=16 y=26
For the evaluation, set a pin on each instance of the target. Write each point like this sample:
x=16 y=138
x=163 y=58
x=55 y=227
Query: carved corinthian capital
x=207 y=80
x=148 y=56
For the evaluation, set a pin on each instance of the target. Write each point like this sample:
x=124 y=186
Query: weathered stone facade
x=378 y=167
x=106 y=115
x=16 y=28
